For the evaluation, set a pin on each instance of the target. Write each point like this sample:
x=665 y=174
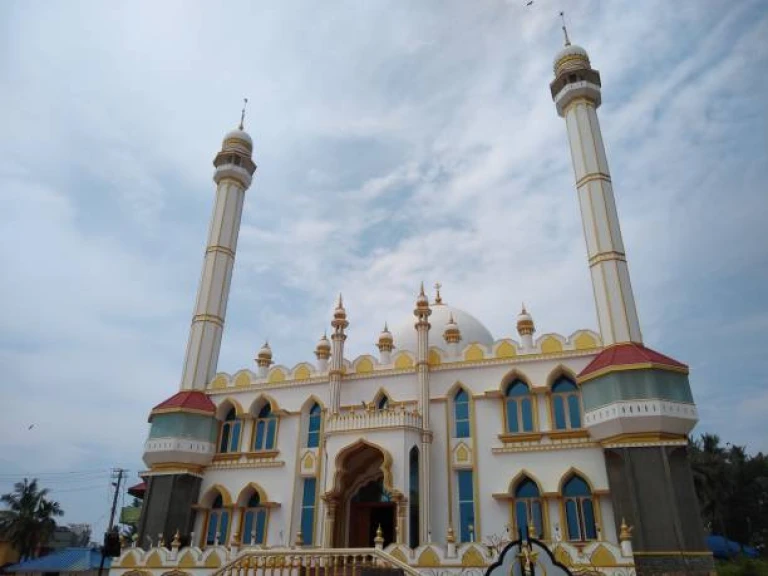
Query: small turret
x=323 y=352
x=452 y=336
x=385 y=345
x=264 y=359
x=526 y=328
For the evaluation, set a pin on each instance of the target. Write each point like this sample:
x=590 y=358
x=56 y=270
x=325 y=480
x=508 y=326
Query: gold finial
x=450 y=538
x=565 y=30
x=340 y=303
x=242 y=114
x=386 y=329
x=176 y=542
x=379 y=536
x=531 y=528
x=421 y=289
x=626 y=531
x=524 y=311
x=438 y=298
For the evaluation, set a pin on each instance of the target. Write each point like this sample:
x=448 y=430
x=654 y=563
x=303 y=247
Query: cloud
x=395 y=144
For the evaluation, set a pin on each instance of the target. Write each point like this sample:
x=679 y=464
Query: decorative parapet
x=372 y=419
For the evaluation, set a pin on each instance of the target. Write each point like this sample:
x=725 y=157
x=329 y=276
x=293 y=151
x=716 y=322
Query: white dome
x=569 y=51
x=238 y=134
x=472 y=330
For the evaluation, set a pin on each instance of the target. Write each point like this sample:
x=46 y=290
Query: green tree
x=29 y=519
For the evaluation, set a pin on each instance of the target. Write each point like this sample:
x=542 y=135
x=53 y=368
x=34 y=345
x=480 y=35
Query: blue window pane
x=271 y=426
x=261 y=521
x=465 y=485
x=589 y=520
x=574 y=411
x=467 y=519
x=537 y=518
x=308 y=510
x=521 y=518
x=576 y=486
x=235 y=442
x=265 y=411
x=512 y=424
x=527 y=489
x=223 y=525
x=259 y=442
x=461 y=396
x=213 y=520
x=224 y=438
x=527 y=410
x=308 y=497
x=313 y=440
x=564 y=385
x=231 y=415
x=254 y=500
x=559 y=413
x=462 y=411
x=517 y=388
x=248 y=528
x=462 y=429
x=572 y=520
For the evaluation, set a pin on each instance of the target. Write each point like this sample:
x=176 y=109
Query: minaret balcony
x=369 y=418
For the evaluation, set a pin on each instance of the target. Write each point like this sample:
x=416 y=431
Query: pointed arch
x=382 y=399
x=259 y=402
x=527 y=505
x=360 y=444
x=312 y=415
x=559 y=371
x=579 y=506
x=524 y=475
x=511 y=376
x=570 y=473
x=249 y=490
x=226 y=405
x=209 y=496
x=460 y=402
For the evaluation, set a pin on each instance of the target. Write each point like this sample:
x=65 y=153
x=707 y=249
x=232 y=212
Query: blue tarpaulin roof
x=68 y=560
x=724 y=549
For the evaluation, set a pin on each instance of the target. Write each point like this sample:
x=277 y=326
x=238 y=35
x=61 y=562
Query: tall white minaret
x=576 y=92
x=422 y=313
x=339 y=324
x=234 y=169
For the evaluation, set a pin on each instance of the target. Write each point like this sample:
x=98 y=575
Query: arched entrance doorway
x=363 y=498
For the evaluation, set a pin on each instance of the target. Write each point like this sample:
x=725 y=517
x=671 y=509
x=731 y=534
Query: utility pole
x=108 y=537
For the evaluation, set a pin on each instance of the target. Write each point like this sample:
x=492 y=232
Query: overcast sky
x=396 y=142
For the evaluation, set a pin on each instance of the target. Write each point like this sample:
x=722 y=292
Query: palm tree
x=28 y=521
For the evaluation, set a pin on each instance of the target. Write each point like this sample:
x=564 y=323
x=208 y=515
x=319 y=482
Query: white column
x=615 y=302
x=422 y=313
x=338 y=337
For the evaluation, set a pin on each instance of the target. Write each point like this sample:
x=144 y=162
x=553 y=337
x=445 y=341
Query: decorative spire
x=339 y=321
x=452 y=334
x=525 y=326
x=565 y=30
x=625 y=531
x=438 y=298
x=242 y=114
x=264 y=356
x=386 y=342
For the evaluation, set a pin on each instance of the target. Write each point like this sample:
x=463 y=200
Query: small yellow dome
x=386 y=340
x=264 y=356
x=323 y=348
x=525 y=324
x=452 y=334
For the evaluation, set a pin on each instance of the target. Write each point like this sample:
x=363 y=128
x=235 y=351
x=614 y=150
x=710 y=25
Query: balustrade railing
x=314 y=562
x=367 y=419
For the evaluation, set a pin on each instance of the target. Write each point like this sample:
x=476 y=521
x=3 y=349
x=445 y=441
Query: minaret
x=576 y=92
x=637 y=402
x=422 y=313
x=264 y=359
x=183 y=428
x=526 y=328
x=339 y=324
x=385 y=345
x=234 y=169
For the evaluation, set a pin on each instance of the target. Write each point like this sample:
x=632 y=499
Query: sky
x=396 y=142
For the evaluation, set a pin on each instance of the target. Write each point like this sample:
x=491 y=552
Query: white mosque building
x=448 y=443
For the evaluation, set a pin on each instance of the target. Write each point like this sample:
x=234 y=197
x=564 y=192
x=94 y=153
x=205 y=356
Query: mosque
x=449 y=443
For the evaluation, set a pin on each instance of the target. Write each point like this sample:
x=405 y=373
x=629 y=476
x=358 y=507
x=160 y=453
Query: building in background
x=449 y=438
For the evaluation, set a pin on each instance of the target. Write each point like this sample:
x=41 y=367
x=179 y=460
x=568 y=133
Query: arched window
x=566 y=404
x=308 y=511
x=461 y=414
x=528 y=507
x=413 y=497
x=254 y=521
x=383 y=402
x=313 y=427
x=519 y=407
x=266 y=429
x=218 y=523
x=579 y=510
x=229 y=438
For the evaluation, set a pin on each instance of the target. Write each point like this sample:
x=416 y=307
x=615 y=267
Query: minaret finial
x=438 y=298
x=242 y=114
x=340 y=303
x=524 y=311
x=565 y=30
x=421 y=289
